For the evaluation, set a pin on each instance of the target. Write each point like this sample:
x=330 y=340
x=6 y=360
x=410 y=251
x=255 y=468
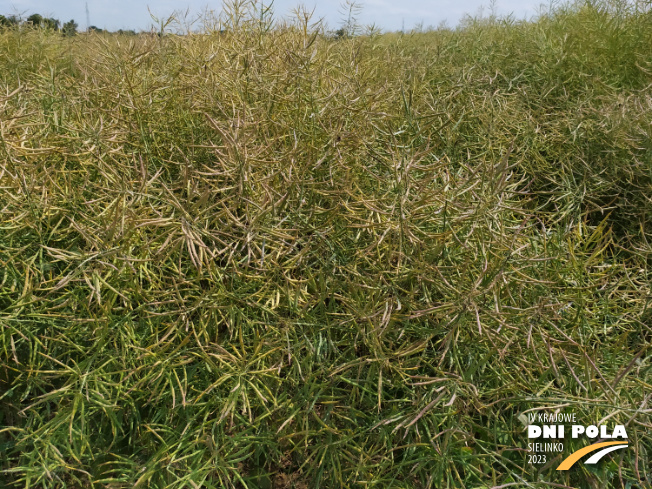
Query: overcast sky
x=386 y=14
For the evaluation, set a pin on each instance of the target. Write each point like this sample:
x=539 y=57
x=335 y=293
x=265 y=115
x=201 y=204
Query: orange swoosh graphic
x=575 y=456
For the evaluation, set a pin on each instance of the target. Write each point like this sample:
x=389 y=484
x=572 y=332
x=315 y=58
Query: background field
x=267 y=256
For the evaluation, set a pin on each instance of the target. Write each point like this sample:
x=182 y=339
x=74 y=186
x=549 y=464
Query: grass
x=260 y=257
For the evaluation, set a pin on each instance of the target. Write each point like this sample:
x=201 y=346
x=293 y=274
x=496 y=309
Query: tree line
x=38 y=21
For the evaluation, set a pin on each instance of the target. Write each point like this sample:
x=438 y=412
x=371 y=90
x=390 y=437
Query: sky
x=390 y=15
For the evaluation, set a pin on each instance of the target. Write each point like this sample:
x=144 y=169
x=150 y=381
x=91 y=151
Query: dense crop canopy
x=262 y=256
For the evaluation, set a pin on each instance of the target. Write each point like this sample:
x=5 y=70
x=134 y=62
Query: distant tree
x=50 y=23
x=95 y=29
x=70 y=28
x=37 y=20
x=129 y=32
